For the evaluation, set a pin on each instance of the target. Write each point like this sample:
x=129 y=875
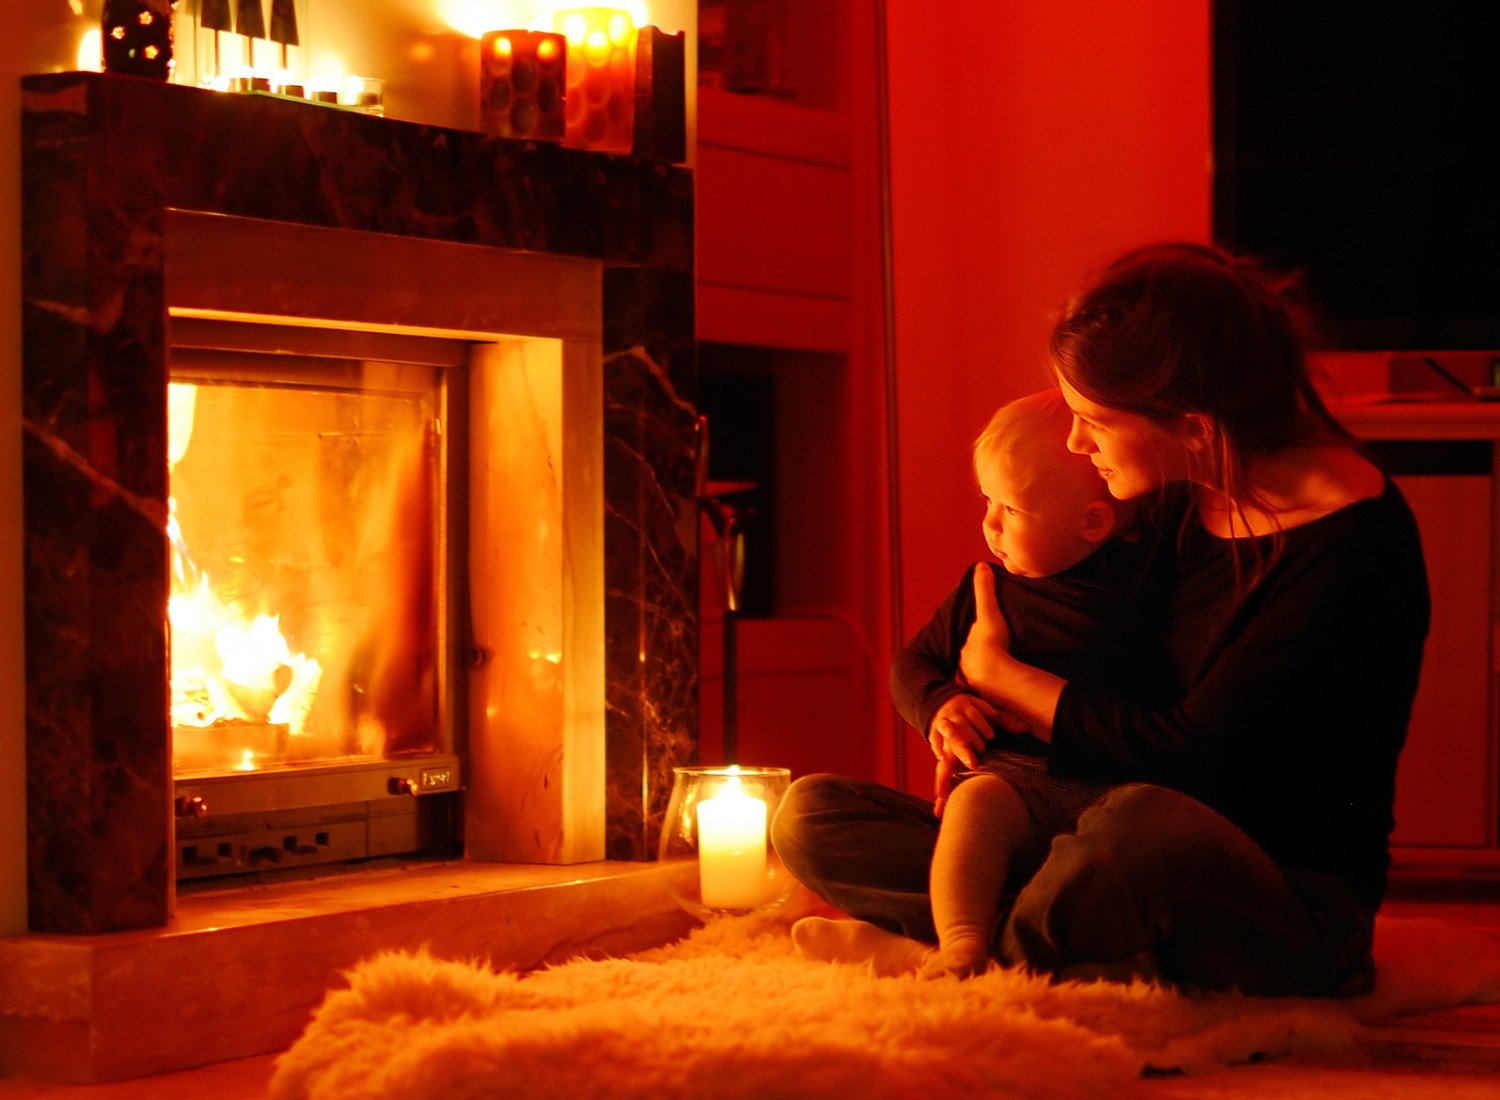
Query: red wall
x=1030 y=141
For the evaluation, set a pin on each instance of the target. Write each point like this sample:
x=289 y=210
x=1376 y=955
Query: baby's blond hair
x=1028 y=438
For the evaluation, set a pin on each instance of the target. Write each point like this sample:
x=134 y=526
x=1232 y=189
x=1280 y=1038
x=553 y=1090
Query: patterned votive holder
x=521 y=84
x=137 y=38
x=600 y=97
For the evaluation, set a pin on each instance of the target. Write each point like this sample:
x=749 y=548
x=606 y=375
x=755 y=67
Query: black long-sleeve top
x=1090 y=620
x=1292 y=695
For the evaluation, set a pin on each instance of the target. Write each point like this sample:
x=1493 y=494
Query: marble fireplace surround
x=142 y=199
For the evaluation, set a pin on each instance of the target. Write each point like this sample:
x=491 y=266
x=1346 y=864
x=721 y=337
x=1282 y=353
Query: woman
x=1247 y=844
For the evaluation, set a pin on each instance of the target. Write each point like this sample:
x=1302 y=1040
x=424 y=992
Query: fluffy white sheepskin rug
x=732 y=1012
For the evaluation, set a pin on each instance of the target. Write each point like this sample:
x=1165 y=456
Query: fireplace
x=449 y=385
x=312 y=490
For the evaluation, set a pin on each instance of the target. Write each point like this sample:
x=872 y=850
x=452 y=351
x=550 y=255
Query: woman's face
x=1132 y=453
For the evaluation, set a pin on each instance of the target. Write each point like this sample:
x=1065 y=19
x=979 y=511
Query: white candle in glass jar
x=732 y=849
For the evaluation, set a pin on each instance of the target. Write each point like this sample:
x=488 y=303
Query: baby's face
x=1037 y=530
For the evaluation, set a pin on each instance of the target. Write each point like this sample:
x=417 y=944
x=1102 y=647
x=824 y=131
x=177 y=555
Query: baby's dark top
x=1091 y=620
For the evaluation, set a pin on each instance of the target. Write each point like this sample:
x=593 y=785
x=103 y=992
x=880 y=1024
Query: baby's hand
x=961 y=727
x=942 y=782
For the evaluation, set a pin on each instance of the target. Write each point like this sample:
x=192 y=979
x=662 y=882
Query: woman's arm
x=1306 y=680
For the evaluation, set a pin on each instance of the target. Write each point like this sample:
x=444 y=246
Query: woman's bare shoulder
x=1297 y=486
x=1343 y=476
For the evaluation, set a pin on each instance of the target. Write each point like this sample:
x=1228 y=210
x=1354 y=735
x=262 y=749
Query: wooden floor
x=1449 y=1055
x=1453 y=1054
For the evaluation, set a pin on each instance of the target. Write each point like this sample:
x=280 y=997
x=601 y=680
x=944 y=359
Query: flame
x=226 y=666
x=475 y=17
x=229 y=668
x=90 y=57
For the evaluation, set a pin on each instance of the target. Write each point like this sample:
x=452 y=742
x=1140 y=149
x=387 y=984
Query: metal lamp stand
x=729 y=522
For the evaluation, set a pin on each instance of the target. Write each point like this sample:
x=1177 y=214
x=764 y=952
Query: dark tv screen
x=1358 y=143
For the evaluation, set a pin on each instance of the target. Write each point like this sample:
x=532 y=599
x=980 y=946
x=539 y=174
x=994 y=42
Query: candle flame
x=636 y=11
x=476 y=17
x=91 y=50
x=596 y=46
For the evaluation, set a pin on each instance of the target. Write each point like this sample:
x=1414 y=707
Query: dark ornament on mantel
x=660 y=95
x=138 y=37
x=284 y=22
x=250 y=18
x=215 y=15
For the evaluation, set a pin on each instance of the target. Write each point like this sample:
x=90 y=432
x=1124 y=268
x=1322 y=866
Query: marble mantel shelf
x=238 y=972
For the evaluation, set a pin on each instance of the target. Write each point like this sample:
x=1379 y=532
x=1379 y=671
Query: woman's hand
x=961 y=728
x=988 y=642
x=1020 y=697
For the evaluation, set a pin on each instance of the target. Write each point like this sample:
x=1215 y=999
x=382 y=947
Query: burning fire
x=228 y=668
x=225 y=669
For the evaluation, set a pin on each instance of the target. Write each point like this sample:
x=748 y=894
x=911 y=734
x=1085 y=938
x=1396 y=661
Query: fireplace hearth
x=563 y=685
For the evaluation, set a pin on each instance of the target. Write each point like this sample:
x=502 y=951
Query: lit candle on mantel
x=600 y=101
x=732 y=849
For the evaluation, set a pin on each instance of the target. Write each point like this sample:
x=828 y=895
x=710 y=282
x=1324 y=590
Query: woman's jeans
x=1152 y=883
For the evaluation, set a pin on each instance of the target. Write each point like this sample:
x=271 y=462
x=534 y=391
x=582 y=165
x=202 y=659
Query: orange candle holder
x=600 y=98
x=521 y=85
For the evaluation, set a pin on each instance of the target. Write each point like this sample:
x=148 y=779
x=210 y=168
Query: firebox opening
x=312 y=637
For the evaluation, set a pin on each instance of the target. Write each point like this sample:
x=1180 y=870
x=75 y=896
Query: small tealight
x=365 y=94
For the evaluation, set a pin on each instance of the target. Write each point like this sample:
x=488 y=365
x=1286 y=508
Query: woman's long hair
x=1178 y=328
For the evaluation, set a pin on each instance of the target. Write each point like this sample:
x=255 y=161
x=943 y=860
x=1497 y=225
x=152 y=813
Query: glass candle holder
x=366 y=94
x=600 y=95
x=718 y=819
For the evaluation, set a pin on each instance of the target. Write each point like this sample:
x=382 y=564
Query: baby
x=1068 y=571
